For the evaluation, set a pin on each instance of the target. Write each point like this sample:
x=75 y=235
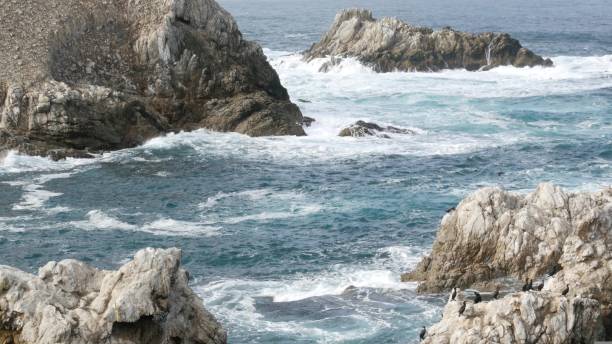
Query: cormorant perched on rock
x=423 y=333
x=540 y=287
x=496 y=293
x=477 y=297
x=565 y=291
x=450 y=210
x=462 y=309
x=528 y=285
x=454 y=294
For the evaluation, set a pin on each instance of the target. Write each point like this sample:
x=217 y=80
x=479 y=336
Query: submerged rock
x=362 y=129
x=494 y=233
x=391 y=45
x=90 y=75
x=307 y=121
x=147 y=300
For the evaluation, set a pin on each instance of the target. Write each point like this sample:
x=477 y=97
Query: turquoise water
x=275 y=229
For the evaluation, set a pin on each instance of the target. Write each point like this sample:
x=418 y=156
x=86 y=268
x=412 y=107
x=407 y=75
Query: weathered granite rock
x=362 y=129
x=524 y=317
x=389 y=44
x=92 y=75
x=147 y=300
x=494 y=233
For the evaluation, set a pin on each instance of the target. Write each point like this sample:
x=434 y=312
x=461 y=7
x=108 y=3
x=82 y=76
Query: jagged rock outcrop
x=146 y=301
x=494 y=233
x=90 y=75
x=391 y=45
x=525 y=317
x=362 y=129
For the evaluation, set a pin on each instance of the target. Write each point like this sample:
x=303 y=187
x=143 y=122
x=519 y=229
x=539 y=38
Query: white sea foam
x=34 y=197
x=234 y=299
x=182 y=228
x=17 y=163
x=99 y=220
x=351 y=78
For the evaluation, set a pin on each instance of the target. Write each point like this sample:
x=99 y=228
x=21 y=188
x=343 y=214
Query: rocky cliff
x=98 y=75
x=146 y=301
x=562 y=239
x=389 y=44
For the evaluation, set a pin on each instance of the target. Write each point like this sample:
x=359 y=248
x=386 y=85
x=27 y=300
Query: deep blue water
x=275 y=229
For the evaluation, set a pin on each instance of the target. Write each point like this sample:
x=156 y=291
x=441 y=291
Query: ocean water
x=275 y=230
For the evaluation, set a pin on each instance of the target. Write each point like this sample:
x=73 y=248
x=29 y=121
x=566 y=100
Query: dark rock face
x=84 y=75
x=362 y=129
x=389 y=45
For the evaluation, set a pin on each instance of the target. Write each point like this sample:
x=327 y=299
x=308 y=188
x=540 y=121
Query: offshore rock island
x=389 y=45
x=88 y=76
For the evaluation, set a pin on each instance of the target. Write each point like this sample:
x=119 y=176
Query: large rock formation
x=390 y=44
x=99 y=75
x=146 y=301
x=494 y=233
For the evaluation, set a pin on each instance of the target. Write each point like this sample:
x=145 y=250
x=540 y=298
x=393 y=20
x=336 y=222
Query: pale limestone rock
x=493 y=233
x=525 y=317
x=147 y=300
x=389 y=44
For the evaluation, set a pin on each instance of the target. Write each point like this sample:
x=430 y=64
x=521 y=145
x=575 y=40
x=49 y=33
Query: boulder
x=94 y=76
x=362 y=129
x=524 y=317
x=147 y=300
x=389 y=45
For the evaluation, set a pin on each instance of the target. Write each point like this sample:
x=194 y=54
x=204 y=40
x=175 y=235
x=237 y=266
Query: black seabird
x=565 y=291
x=526 y=285
x=477 y=297
x=462 y=309
x=454 y=294
x=423 y=333
x=496 y=293
x=539 y=288
x=530 y=285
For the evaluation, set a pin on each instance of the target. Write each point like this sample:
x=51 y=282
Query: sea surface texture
x=276 y=229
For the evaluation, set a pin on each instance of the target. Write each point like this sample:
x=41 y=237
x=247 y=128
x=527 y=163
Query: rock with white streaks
x=494 y=234
x=389 y=45
x=147 y=300
x=524 y=317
